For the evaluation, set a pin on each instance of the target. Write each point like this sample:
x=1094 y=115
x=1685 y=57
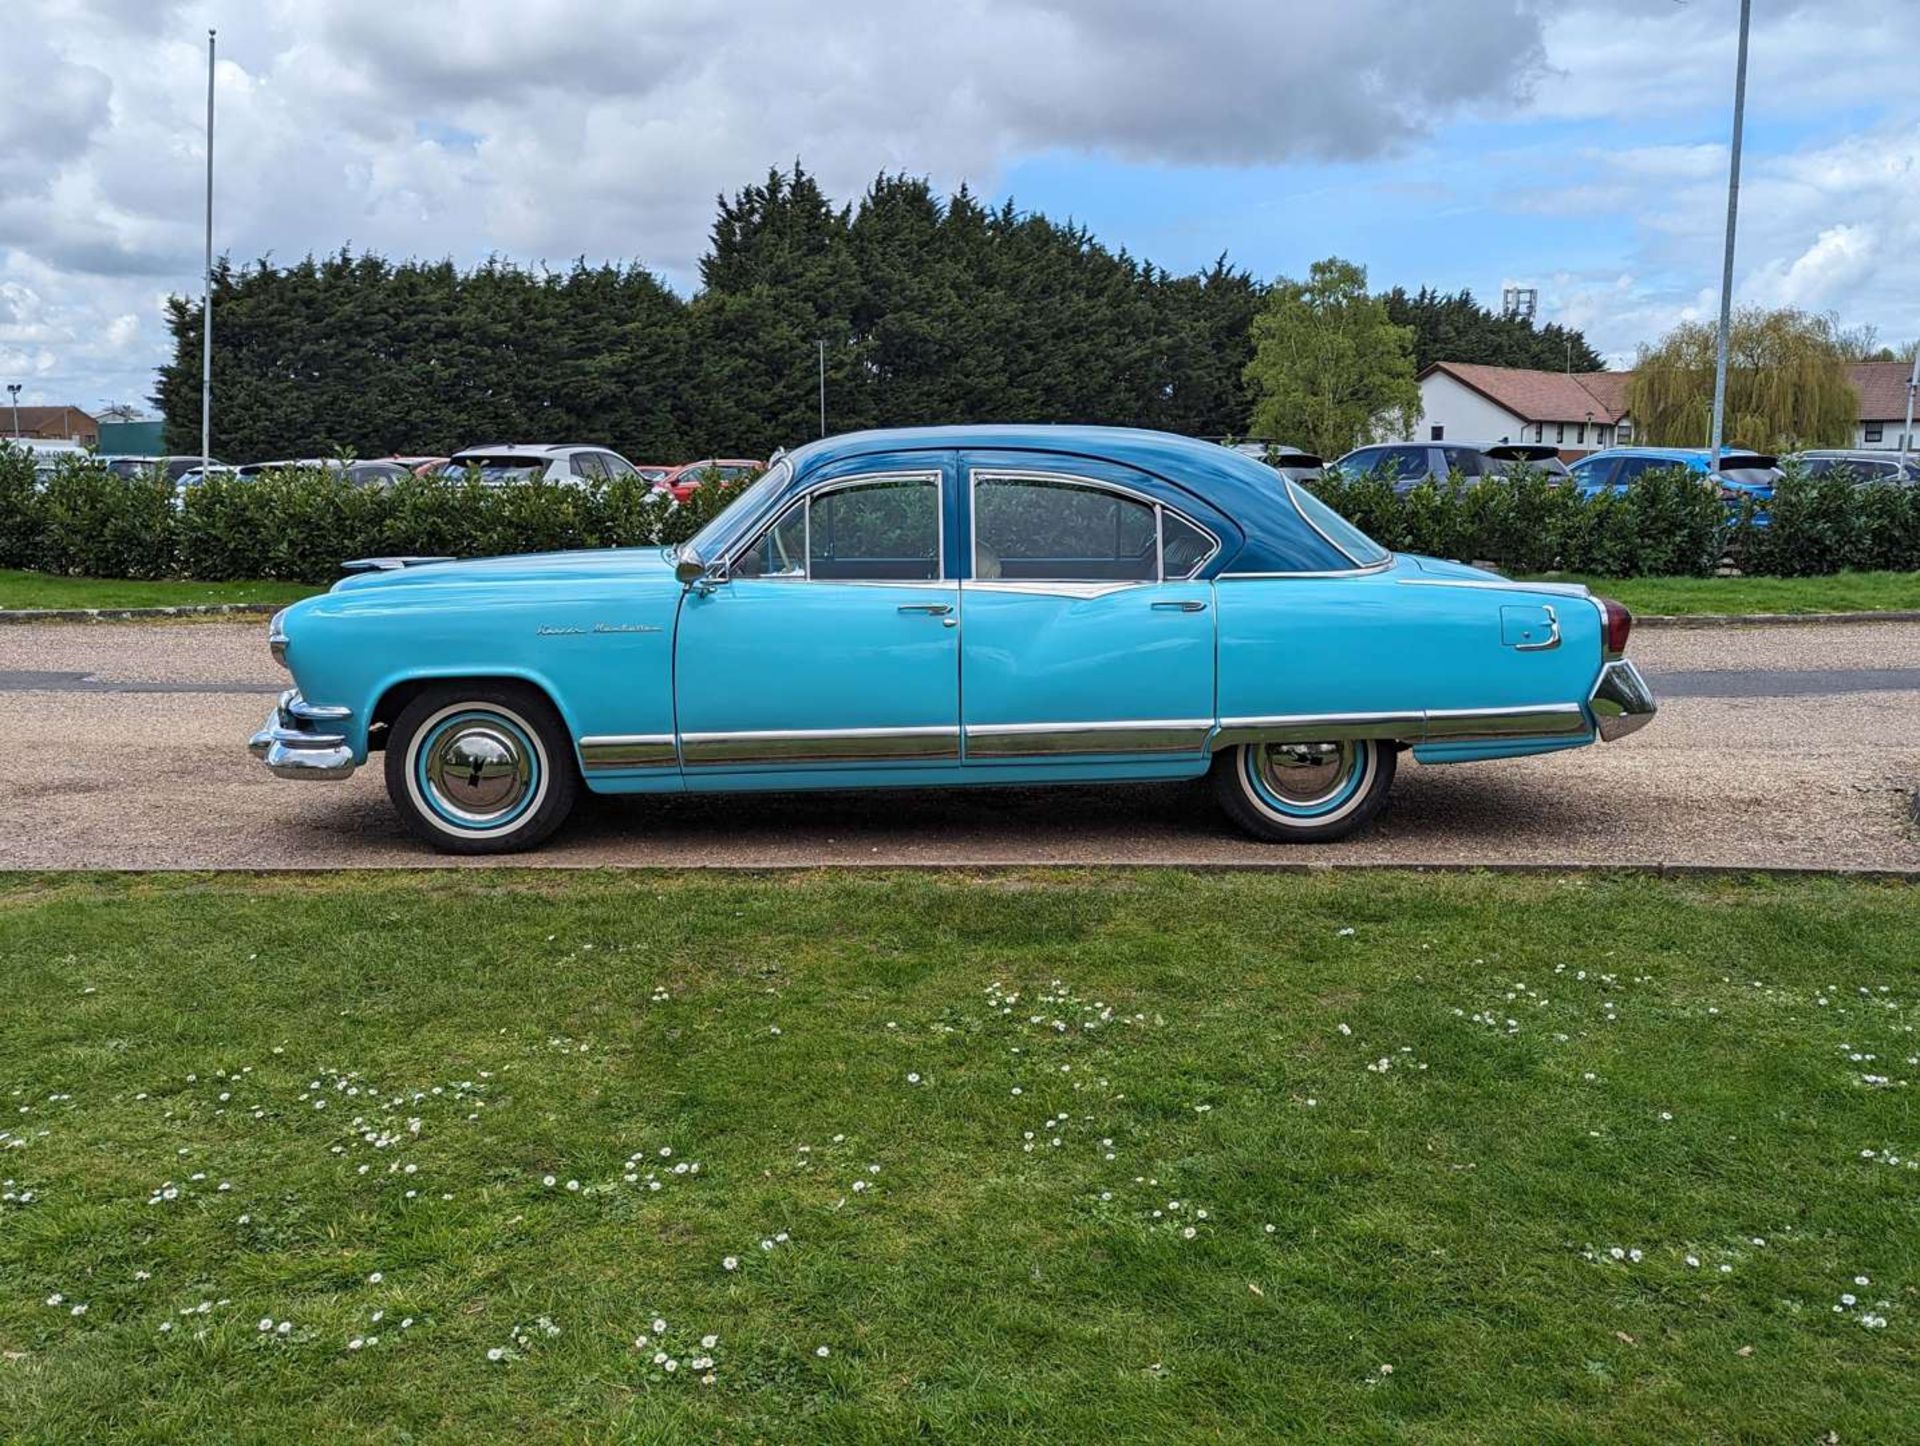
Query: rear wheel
x=1304 y=792
x=481 y=768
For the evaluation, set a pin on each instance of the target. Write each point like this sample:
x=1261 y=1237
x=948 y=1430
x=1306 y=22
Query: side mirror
x=690 y=568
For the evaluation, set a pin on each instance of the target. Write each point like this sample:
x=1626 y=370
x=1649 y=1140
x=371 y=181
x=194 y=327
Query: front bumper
x=1621 y=702
x=302 y=740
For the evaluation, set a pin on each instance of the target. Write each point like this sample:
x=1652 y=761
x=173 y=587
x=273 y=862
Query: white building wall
x=1462 y=413
x=1889 y=438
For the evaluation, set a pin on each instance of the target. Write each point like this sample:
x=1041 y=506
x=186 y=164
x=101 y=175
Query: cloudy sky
x=1574 y=145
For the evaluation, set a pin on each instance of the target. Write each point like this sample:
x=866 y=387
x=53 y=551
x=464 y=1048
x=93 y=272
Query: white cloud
x=553 y=128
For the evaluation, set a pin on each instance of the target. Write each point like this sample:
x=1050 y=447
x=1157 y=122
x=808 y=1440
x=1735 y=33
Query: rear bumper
x=304 y=740
x=1621 y=702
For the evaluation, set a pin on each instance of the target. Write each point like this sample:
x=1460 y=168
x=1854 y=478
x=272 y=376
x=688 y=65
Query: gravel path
x=93 y=777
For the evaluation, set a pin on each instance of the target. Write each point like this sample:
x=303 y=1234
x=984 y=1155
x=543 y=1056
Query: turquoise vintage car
x=948 y=606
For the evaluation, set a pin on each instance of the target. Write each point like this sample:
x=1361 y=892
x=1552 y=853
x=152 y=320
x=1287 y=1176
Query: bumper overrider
x=303 y=740
x=1621 y=702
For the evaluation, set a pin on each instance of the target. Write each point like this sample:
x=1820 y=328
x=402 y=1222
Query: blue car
x=947 y=607
x=1742 y=475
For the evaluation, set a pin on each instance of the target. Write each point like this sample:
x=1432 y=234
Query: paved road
x=122 y=746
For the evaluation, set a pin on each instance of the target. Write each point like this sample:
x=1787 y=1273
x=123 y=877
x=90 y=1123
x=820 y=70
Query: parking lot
x=1792 y=745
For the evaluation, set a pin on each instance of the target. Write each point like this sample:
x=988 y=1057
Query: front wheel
x=481 y=768
x=1304 y=792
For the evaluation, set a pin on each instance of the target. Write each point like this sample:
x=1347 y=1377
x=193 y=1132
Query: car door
x=1082 y=634
x=833 y=641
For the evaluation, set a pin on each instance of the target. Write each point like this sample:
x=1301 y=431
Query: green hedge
x=1667 y=524
x=298 y=525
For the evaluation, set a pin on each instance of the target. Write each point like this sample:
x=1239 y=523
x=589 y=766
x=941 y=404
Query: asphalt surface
x=123 y=746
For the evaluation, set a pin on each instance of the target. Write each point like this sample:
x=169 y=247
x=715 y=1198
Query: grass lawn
x=45 y=590
x=1132 y=1156
x=1846 y=592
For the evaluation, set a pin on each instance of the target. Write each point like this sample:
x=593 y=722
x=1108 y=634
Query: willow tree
x=1786 y=384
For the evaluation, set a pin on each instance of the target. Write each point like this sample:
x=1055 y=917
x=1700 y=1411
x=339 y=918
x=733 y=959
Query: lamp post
x=206 y=293
x=1906 y=432
x=1726 y=265
x=14 y=389
x=822 y=344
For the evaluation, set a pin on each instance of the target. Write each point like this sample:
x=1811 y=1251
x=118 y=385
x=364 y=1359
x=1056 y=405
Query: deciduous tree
x=1330 y=369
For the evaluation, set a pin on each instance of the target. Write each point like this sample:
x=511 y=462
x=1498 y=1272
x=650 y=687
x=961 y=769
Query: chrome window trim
x=1371 y=567
x=804 y=498
x=977 y=475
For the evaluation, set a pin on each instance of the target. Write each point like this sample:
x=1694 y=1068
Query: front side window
x=884 y=530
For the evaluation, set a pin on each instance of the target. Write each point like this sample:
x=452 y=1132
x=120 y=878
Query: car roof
x=1234 y=488
x=529 y=449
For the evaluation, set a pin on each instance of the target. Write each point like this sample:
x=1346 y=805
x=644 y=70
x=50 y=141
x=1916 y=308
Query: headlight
x=277 y=637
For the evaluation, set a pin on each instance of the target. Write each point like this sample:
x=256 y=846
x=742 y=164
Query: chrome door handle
x=1185 y=605
x=932 y=610
x=1552 y=639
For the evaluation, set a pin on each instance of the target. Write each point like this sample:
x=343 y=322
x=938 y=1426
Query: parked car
x=566 y=462
x=47 y=454
x=942 y=607
x=1292 y=463
x=685 y=479
x=1864 y=467
x=418 y=466
x=174 y=467
x=1743 y=474
x=1408 y=464
x=654 y=471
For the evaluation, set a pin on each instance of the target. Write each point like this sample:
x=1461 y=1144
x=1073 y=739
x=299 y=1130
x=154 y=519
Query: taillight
x=1619 y=626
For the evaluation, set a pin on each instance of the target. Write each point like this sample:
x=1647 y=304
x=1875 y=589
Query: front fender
x=603 y=652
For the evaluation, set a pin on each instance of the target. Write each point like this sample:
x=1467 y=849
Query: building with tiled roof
x=1581 y=412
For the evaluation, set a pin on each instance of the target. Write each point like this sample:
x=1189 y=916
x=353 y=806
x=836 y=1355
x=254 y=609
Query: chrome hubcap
x=1305 y=773
x=479 y=771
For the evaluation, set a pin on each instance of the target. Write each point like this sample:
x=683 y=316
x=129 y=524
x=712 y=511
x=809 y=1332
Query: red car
x=683 y=480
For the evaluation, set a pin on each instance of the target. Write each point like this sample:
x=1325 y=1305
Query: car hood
x=585 y=566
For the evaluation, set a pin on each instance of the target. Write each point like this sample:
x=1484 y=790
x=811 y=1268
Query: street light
x=14 y=388
x=1906 y=433
x=1726 y=267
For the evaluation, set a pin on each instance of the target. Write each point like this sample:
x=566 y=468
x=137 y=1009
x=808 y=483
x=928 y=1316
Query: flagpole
x=206 y=292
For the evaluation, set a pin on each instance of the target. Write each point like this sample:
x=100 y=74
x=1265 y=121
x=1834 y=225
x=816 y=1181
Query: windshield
x=495 y=469
x=1364 y=551
x=711 y=541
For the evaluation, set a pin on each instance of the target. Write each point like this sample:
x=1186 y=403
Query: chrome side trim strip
x=628 y=750
x=1557 y=589
x=1474 y=725
x=837 y=745
x=1053 y=740
x=1434 y=725
x=1320 y=727
x=1081 y=590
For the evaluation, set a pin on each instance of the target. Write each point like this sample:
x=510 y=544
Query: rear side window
x=1364 y=551
x=1044 y=529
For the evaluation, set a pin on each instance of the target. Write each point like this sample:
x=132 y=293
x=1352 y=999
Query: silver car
x=570 y=463
x=1863 y=467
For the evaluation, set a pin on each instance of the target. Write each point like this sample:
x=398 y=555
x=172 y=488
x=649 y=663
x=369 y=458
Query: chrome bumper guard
x=1621 y=702
x=295 y=741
